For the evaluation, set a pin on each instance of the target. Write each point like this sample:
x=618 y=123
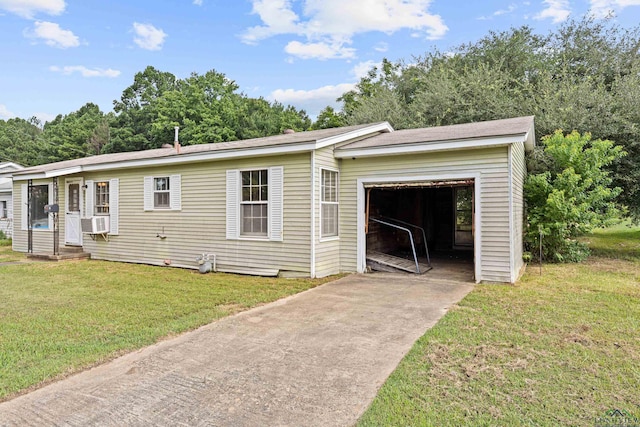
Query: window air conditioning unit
x=95 y=225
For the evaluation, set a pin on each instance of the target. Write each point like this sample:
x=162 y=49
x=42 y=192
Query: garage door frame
x=391 y=179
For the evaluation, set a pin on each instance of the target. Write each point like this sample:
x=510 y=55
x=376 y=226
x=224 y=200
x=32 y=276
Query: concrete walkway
x=313 y=359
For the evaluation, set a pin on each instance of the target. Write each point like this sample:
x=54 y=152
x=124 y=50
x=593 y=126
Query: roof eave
x=383 y=127
x=434 y=146
x=224 y=154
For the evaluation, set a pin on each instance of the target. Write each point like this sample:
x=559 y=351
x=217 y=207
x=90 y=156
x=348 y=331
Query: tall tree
x=22 y=142
x=76 y=134
x=136 y=111
x=584 y=77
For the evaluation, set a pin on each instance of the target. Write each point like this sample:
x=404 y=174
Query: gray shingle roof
x=269 y=141
x=493 y=128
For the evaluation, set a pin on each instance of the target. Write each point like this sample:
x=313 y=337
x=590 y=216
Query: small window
x=161 y=193
x=39 y=198
x=254 y=203
x=329 y=203
x=102 y=198
x=3 y=209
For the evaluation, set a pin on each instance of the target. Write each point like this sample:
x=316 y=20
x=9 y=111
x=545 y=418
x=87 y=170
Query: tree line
x=207 y=107
x=584 y=76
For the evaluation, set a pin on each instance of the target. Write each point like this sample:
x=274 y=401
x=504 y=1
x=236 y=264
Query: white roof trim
x=429 y=146
x=63 y=172
x=383 y=127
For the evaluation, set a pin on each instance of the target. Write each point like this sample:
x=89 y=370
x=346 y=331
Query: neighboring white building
x=6 y=199
x=300 y=204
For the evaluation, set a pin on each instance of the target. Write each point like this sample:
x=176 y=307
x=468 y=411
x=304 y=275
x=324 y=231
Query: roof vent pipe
x=176 y=142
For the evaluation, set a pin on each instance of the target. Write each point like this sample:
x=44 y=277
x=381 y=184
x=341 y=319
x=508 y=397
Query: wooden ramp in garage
x=379 y=261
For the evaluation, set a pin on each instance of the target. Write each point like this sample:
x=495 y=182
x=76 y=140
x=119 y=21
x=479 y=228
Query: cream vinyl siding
x=201 y=224
x=519 y=173
x=491 y=164
x=328 y=249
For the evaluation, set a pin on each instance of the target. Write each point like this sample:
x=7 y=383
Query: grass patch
x=58 y=318
x=557 y=349
x=8 y=255
x=620 y=242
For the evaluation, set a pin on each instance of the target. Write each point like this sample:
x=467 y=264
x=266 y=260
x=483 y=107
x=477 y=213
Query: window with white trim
x=329 y=203
x=4 y=213
x=101 y=206
x=254 y=204
x=161 y=193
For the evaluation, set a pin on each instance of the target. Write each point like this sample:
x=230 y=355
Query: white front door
x=73 y=201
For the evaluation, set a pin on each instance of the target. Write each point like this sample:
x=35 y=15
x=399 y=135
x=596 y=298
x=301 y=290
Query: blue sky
x=58 y=55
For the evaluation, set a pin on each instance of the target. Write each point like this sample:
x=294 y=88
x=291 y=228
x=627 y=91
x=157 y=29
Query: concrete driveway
x=314 y=359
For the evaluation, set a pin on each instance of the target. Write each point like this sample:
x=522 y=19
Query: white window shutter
x=233 y=204
x=175 y=189
x=89 y=199
x=24 y=206
x=114 y=208
x=276 y=214
x=148 y=193
x=50 y=202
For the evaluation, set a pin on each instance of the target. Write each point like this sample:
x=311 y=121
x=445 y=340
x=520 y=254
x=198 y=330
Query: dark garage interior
x=445 y=210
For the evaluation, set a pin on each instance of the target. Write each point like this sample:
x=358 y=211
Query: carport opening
x=445 y=210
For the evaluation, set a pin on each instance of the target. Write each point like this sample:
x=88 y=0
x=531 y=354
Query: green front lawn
x=58 y=318
x=558 y=349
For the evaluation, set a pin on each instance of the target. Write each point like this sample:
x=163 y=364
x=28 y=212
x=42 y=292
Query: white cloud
x=197 y=2
x=556 y=10
x=499 y=12
x=318 y=50
x=362 y=69
x=53 y=35
x=84 y=71
x=602 y=8
x=314 y=100
x=148 y=37
x=5 y=113
x=333 y=23
x=381 y=47
x=45 y=117
x=29 y=8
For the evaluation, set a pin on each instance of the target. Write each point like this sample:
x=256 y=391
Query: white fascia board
x=429 y=147
x=63 y=172
x=39 y=175
x=384 y=127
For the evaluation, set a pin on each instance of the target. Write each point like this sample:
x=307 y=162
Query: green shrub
x=569 y=194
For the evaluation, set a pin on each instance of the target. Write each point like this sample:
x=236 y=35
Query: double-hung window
x=161 y=193
x=102 y=198
x=329 y=203
x=101 y=205
x=254 y=203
